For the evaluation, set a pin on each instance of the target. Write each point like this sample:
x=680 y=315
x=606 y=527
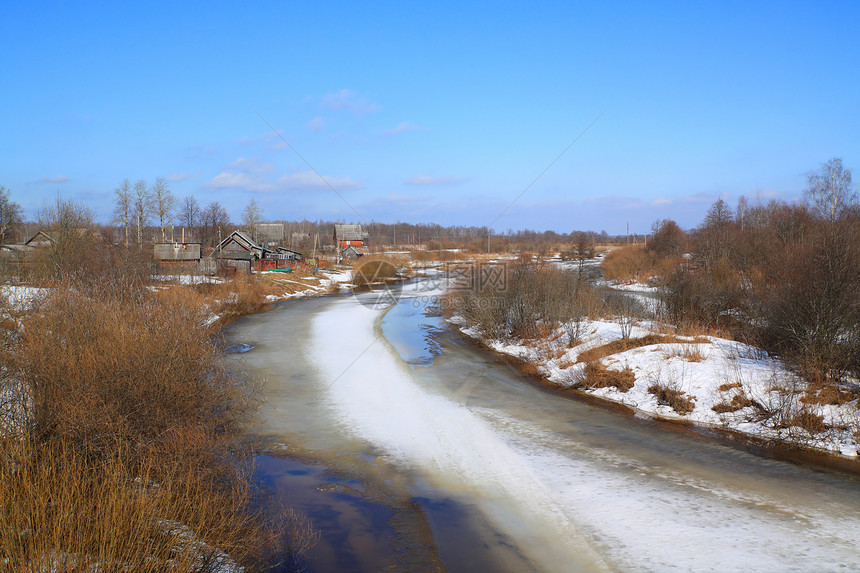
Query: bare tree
x=741 y=212
x=189 y=213
x=122 y=212
x=251 y=217
x=583 y=249
x=215 y=218
x=712 y=238
x=70 y=226
x=141 y=205
x=10 y=214
x=667 y=239
x=829 y=191
x=162 y=203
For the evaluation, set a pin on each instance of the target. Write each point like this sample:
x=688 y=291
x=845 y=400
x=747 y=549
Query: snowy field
x=709 y=371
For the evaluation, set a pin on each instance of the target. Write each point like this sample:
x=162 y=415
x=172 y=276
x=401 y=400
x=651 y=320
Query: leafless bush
x=670 y=395
x=597 y=375
x=523 y=299
x=121 y=391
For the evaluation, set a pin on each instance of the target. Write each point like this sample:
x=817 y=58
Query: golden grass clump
x=674 y=398
x=597 y=375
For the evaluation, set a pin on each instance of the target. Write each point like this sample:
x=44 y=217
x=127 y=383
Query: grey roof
x=349 y=233
x=242 y=240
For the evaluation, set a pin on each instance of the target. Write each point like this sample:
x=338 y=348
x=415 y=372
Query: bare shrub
x=522 y=299
x=122 y=393
x=373 y=271
x=626 y=264
x=597 y=375
x=810 y=421
x=689 y=352
x=669 y=395
x=667 y=239
x=738 y=402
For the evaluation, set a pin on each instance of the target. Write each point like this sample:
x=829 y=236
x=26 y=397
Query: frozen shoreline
x=709 y=371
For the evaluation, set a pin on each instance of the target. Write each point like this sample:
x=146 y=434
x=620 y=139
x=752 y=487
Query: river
x=412 y=450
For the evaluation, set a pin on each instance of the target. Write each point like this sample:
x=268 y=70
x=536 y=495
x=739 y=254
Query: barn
x=350 y=241
x=238 y=251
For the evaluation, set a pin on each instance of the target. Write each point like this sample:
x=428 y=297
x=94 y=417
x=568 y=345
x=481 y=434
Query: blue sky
x=438 y=112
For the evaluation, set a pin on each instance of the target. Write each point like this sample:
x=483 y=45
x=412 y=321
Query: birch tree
x=829 y=191
x=140 y=208
x=252 y=217
x=122 y=212
x=162 y=203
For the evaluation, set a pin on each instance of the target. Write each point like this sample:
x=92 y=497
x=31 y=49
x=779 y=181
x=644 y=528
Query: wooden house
x=239 y=251
x=40 y=239
x=288 y=254
x=349 y=241
x=177 y=256
x=165 y=252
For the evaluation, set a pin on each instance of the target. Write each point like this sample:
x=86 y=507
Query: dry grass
x=689 y=352
x=123 y=392
x=625 y=344
x=809 y=421
x=59 y=511
x=738 y=402
x=530 y=369
x=597 y=375
x=829 y=394
x=281 y=283
x=674 y=398
x=729 y=386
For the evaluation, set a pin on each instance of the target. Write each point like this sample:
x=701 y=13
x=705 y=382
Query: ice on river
x=565 y=504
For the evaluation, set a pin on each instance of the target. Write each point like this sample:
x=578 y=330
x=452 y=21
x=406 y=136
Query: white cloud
x=347 y=100
x=310 y=180
x=253 y=174
x=58 y=179
x=404 y=126
x=316 y=125
x=184 y=176
x=252 y=165
x=432 y=180
x=233 y=180
x=661 y=201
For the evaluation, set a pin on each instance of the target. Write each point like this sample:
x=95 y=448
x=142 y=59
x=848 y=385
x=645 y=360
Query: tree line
x=782 y=276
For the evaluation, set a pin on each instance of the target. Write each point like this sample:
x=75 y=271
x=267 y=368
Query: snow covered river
x=424 y=453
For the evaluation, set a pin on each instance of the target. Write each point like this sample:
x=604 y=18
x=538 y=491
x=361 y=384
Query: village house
x=241 y=252
x=177 y=256
x=349 y=241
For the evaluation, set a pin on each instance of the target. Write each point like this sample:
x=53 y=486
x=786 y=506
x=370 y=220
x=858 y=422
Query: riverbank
x=717 y=385
x=435 y=419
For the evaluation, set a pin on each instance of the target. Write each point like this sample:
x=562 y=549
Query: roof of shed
x=349 y=233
